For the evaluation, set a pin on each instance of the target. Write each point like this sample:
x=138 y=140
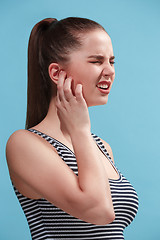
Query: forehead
x=96 y=42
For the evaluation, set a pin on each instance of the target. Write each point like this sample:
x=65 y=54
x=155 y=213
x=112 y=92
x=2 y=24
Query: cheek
x=79 y=77
x=85 y=75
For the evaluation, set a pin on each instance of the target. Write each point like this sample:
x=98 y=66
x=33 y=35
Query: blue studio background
x=130 y=120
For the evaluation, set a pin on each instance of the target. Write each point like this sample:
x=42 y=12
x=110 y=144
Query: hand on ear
x=54 y=70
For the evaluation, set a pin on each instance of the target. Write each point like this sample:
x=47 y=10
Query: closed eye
x=99 y=62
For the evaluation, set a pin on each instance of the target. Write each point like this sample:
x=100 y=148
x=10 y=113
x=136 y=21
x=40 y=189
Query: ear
x=54 y=70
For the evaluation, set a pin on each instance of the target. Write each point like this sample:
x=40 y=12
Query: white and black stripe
x=46 y=221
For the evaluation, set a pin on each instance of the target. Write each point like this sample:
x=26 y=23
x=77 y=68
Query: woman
x=64 y=176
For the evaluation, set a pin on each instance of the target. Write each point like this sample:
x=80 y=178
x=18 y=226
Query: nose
x=109 y=70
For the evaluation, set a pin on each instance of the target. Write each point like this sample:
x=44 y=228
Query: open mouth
x=104 y=86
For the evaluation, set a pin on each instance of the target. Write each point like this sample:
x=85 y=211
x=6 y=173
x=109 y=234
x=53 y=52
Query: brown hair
x=50 y=41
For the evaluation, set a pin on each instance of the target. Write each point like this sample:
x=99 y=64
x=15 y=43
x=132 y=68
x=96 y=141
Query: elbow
x=98 y=212
x=105 y=216
x=101 y=213
x=109 y=216
x=104 y=212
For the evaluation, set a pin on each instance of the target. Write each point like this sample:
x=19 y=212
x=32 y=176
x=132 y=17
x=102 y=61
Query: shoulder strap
x=101 y=146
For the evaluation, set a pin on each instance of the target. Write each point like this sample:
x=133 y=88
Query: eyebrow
x=100 y=57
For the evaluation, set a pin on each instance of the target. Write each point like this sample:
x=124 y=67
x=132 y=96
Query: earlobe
x=54 y=70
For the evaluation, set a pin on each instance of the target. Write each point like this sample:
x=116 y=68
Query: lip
x=103 y=90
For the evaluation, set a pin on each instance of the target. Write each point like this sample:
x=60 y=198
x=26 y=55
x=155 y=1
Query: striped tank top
x=46 y=221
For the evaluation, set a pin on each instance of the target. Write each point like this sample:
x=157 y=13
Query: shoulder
x=22 y=138
x=18 y=138
x=17 y=135
x=17 y=141
x=108 y=148
x=23 y=142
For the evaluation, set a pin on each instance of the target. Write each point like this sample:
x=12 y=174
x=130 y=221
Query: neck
x=51 y=124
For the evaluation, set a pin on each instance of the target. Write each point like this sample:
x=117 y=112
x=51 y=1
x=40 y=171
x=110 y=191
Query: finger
x=62 y=102
x=60 y=84
x=67 y=89
x=78 y=92
x=58 y=102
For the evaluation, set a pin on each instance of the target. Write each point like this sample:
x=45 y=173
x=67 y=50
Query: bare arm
x=35 y=163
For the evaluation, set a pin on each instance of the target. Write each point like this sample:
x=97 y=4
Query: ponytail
x=39 y=89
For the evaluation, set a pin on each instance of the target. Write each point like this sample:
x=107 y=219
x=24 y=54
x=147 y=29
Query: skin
x=91 y=69
x=34 y=164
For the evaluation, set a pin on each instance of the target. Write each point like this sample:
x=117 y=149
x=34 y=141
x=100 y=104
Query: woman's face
x=93 y=66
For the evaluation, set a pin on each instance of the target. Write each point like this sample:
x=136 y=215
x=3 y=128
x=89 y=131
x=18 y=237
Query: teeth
x=103 y=86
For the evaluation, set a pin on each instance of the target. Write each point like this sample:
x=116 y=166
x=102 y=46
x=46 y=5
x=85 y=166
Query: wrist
x=80 y=133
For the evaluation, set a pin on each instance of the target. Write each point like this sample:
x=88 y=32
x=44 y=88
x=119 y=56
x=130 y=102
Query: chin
x=98 y=103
